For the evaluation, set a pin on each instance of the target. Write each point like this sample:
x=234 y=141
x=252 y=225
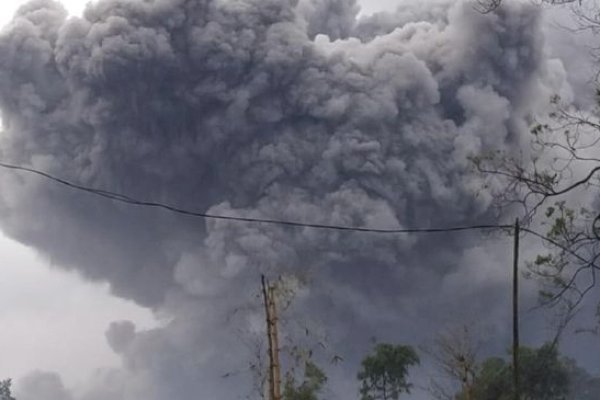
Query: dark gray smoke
x=264 y=108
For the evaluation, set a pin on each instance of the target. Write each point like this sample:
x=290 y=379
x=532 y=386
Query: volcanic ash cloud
x=257 y=108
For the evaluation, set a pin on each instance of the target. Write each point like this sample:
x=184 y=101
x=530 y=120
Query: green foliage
x=312 y=384
x=549 y=184
x=570 y=231
x=582 y=386
x=494 y=381
x=543 y=376
x=384 y=373
x=5 y=393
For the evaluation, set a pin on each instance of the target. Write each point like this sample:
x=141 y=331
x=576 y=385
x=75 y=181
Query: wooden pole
x=266 y=300
x=275 y=340
x=516 y=372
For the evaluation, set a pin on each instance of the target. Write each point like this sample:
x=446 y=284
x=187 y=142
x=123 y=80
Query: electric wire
x=143 y=203
x=135 y=202
x=561 y=247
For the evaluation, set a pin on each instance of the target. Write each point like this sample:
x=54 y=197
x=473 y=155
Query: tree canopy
x=384 y=374
x=544 y=376
x=311 y=386
x=582 y=385
x=5 y=393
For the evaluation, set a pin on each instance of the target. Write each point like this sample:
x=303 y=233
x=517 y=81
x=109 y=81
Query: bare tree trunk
x=517 y=389
x=275 y=348
x=269 y=337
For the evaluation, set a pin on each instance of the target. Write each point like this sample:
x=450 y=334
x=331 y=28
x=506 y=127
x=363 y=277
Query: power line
x=142 y=203
x=586 y=264
x=561 y=247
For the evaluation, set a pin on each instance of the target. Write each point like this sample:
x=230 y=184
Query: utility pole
x=273 y=339
x=516 y=372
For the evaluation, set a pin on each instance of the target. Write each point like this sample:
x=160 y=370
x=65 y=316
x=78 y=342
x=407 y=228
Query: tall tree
x=384 y=374
x=544 y=376
x=5 y=393
x=553 y=185
x=549 y=180
x=582 y=385
x=454 y=353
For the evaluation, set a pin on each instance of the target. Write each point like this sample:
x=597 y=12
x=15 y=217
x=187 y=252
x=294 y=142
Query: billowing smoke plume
x=284 y=109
